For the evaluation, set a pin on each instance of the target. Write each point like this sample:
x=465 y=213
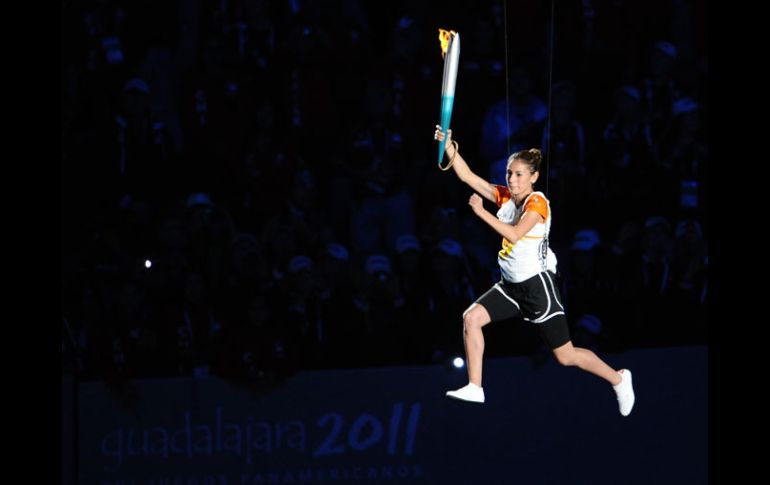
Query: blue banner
x=67 y=430
x=542 y=423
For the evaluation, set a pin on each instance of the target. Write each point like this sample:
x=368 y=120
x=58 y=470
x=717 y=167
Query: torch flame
x=443 y=37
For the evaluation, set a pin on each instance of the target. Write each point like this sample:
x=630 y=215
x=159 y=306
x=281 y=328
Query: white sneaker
x=625 y=392
x=471 y=393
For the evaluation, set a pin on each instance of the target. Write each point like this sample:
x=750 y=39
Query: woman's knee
x=475 y=318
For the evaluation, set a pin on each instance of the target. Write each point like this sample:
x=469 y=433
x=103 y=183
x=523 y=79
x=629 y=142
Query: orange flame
x=443 y=37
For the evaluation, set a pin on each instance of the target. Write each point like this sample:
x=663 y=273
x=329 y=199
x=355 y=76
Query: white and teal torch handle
x=451 y=62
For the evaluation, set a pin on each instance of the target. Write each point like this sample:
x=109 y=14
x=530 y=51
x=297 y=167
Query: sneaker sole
x=456 y=398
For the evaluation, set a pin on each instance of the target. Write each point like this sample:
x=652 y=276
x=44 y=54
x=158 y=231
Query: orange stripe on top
x=537 y=204
x=502 y=195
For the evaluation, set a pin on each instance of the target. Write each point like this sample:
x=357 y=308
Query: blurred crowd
x=250 y=188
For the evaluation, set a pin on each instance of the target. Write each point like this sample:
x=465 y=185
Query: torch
x=450 y=51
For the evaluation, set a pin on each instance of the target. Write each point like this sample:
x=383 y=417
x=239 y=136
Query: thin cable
x=550 y=94
x=507 y=101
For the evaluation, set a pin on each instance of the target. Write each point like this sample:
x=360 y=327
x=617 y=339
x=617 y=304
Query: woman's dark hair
x=532 y=157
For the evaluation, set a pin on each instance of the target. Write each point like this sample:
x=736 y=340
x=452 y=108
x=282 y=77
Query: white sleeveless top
x=529 y=255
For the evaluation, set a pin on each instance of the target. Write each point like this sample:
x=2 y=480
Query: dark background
x=274 y=163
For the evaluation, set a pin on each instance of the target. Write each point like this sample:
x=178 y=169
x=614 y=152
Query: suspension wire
x=550 y=92
x=550 y=95
x=507 y=101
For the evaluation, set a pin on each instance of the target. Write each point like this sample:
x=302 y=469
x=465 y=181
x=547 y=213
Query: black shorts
x=535 y=300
